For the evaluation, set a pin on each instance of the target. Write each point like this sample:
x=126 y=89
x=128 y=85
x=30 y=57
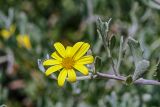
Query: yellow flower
x=68 y=60
x=24 y=41
x=6 y=33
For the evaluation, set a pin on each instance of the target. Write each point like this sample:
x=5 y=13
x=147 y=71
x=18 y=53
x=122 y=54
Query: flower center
x=68 y=63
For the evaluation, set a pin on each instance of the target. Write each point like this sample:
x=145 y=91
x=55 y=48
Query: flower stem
x=99 y=75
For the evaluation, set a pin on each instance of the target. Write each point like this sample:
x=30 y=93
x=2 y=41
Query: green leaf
x=158 y=71
x=135 y=50
x=102 y=29
x=152 y=3
x=98 y=63
x=129 y=80
x=112 y=42
x=140 y=69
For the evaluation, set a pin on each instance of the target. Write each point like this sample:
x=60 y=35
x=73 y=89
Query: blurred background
x=28 y=29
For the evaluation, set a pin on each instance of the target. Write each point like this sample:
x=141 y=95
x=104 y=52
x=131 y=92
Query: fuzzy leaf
x=135 y=50
x=158 y=71
x=102 y=29
x=40 y=65
x=140 y=69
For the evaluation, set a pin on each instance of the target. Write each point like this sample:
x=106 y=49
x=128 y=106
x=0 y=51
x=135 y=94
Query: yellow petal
x=27 y=42
x=71 y=75
x=85 y=60
x=68 y=51
x=51 y=62
x=76 y=47
x=52 y=69
x=19 y=39
x=84 y=48
x=61 y=77
x=83 y=69
x=56 y=56
x=5 y=33
x=24 y=40
x=60 y=49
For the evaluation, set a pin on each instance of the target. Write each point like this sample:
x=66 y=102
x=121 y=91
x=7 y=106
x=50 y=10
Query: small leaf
x=102 y=29
x=112 y=42
x=98 y=63
x=140 y=69
x=158 y=71
x=40 y=65
x=129 y=80
x=135 y=49
x=153 y=3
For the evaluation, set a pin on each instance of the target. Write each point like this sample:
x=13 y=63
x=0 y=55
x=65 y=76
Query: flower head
x=7 y=33
x=24 y=41
x=67 y=60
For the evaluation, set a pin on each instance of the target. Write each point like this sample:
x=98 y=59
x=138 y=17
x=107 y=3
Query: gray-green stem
x=120 y=54
x=99 y=75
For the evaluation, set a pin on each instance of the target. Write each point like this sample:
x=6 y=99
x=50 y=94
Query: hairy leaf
x=141 y=67
x=40 y=66
x=158 y=71
x=135 y=50
x=102 y=29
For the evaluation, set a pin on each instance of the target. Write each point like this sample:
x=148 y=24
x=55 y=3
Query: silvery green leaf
x=40 y=66
x=135 y=50
x=99 y=34
x=158 y=71
x=102 y=28
x=152 y=3
x=140 y=69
